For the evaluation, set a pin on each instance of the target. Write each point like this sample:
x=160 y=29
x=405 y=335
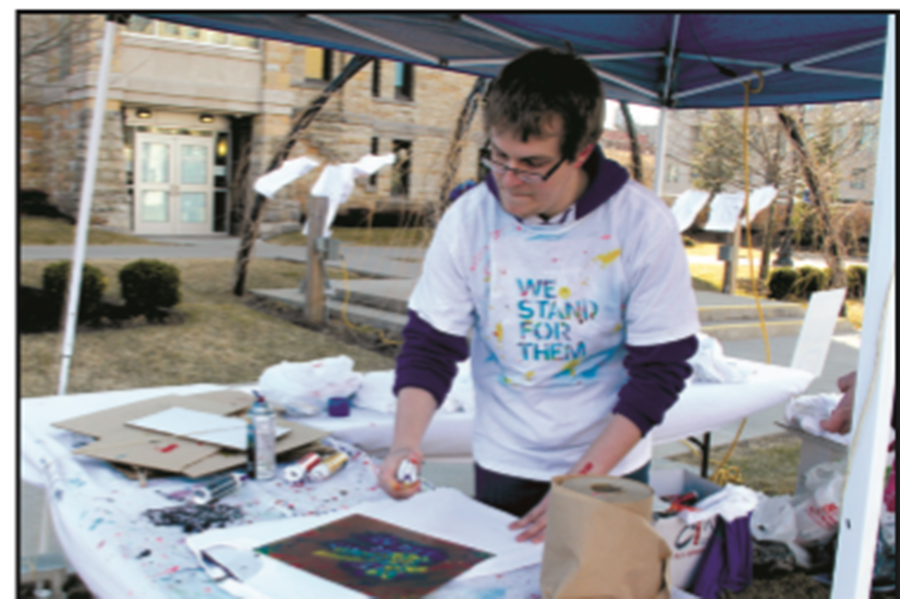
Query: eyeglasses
x=524 y=176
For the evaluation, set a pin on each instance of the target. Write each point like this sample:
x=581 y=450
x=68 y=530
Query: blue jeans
x=518 y=495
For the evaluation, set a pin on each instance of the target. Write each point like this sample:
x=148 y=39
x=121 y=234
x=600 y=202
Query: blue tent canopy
x=687 y=60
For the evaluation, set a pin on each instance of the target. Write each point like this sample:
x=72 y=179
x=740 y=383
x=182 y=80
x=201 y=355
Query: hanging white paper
x=200 y=426
x=687 y=206
x=725 y=211
x=336 y=183
x=760 y=199
x=290 y=170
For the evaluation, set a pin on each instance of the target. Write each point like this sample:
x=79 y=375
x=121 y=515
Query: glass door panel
x=193 y=207
x=155 y=162
x=194 y=164
x=154 y=206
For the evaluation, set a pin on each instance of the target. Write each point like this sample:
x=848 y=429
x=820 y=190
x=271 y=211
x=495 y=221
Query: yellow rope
x=724 y=473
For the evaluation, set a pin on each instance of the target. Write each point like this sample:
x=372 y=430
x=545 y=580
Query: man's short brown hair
x=542 y=83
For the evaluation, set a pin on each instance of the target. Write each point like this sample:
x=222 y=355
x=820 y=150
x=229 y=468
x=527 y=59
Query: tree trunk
x=253 y=215
x=463 y=122
x=833 y=247
x=767 y=245
x=317 y=208
x=636 y=166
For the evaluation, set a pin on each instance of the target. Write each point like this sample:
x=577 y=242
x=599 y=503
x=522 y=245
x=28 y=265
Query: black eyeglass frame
x=525 y=176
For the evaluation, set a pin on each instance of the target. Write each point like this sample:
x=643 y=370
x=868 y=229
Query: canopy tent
x=658 y=59
x=691 y=60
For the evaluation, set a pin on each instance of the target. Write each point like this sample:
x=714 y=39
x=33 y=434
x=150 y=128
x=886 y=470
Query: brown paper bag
x=600 y=541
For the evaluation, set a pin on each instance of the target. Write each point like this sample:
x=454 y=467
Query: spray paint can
x=328 y=466
x=261 y=440
x=296 y=471
x=215 y=489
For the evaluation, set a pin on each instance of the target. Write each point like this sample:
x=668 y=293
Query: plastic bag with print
x=304 y=388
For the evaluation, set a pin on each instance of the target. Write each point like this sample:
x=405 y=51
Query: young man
x=574 y=285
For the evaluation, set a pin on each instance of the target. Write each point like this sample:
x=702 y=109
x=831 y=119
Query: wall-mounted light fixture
x=222 y=147
x=143 y=113
x=207 y=118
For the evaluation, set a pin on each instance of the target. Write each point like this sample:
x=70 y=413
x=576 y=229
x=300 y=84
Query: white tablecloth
x=98 y=513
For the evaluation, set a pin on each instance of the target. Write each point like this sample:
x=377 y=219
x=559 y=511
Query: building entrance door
x=173 y=184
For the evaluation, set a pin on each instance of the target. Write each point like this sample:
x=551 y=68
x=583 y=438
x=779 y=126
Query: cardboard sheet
x=200 y=426
x=122 y=444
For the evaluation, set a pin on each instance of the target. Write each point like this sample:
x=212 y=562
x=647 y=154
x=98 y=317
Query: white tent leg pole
x=84 y=205
x=660 y=152
x=864 y=487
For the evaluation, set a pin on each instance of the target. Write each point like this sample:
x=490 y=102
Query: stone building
x=188 y=109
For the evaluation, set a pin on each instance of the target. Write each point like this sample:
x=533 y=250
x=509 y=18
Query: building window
x=401 y=169
x=403 y=81
x=318 y=64
x=153 y=27
x=373 y=180
x=376 y=80
x=858 y=178
x=866 y=135
x=672 y=173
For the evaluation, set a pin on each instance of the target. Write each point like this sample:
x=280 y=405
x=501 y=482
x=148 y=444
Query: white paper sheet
x=760 y=199
x=818 y=327
x=687 y=206
x=336 y=183
x=724 y=212
x=444 y=513
x=289 y=171
x=200 y=426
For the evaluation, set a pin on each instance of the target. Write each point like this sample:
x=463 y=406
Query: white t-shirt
x=550 y=308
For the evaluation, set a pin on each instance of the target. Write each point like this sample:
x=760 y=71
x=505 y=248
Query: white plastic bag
x=304 y=388
x=774 y=520
x=817 y=508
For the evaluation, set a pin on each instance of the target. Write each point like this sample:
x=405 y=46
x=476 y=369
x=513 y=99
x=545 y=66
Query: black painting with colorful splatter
x=375 y=557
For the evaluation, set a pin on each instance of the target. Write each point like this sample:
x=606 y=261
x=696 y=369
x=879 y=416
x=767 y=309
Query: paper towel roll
x=623 y=492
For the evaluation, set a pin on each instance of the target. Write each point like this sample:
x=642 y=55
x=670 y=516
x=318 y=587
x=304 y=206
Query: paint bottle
x=299 y=469
x=261 y=440
x=408 y=472
x=328 y=466
x=215 y=489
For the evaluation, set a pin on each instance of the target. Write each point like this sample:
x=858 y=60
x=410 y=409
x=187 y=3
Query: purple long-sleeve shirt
x=657 y=373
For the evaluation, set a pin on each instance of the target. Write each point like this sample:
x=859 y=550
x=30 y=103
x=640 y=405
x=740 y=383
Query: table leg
x=704 y=446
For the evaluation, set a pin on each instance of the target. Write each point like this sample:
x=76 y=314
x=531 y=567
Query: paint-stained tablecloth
x=99 y=515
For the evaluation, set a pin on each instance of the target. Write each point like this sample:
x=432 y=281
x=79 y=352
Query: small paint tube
x=215 y=489
x=408 y=472
x=328 y=466
x=296 y=471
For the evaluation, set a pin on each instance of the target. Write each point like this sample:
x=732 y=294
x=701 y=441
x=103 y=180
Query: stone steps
x=381 y=303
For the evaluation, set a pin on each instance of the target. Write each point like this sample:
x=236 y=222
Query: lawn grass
x=378 y=236
x=222 y=340
x=36 y=230
x=767 y=464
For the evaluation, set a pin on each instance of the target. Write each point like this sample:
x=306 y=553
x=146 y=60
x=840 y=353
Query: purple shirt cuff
x=656 y=376
x=428 y=358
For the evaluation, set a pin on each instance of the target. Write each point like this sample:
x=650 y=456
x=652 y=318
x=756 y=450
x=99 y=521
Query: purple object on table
x=338 y=406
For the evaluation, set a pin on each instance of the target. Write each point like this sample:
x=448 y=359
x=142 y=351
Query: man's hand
x=534 y=523
x=387 y=475
x=842 y=416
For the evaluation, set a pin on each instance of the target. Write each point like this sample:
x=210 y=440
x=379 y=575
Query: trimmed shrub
x=856 y=281
x=149 y=287
x=811 y=279
x=781 y=282
x=56 y=287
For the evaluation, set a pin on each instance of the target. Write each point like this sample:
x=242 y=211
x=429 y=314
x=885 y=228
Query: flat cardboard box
x=687 y=541
x=124 y=445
